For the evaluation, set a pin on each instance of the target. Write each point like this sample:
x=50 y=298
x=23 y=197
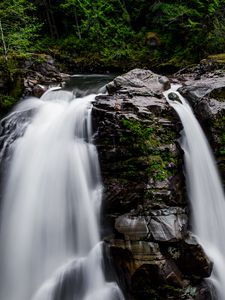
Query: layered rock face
x=27 y=77
x=146 y=215
x=207 y=97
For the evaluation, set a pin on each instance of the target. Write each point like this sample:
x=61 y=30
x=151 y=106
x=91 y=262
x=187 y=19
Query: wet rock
x=192 y=260
x=165 y=82
x=174 y=97
x=133 y=228
x=144 y=200
x=165 y=225
x=39 y=90
x=140 y=251
x=168 y=225
x=147 y=269
x=205 y=291
x=139 y=82
x=136 y=141
x=207 y=97
x=148 y=253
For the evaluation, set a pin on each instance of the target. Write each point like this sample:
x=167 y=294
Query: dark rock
x=144 y=254
x=144 y=200
x=39 y=90
x=4 y=80
x=149 y=272
x=173 y=97
x=137 y=144
x=41 y=75
x=165 y=82
x=139 y=82
x=207 y=98
x=192 y=260
x=205 y=291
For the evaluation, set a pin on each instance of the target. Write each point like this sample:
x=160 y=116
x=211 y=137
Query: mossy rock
x=149 y=141
x=6 y=103
x=218 y=58
x=11 y=93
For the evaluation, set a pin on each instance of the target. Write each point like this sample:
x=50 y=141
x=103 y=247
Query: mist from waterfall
x=205 y=190
x=50 y=246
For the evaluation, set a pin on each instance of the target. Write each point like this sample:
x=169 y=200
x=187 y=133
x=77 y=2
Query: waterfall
x=50 y=246
x=205 y=190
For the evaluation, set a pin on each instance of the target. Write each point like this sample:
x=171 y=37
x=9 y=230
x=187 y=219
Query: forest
x=114 y=34
x=109 y=189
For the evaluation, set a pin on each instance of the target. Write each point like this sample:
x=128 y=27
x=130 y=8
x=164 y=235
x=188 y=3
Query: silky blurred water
x=205 y=191
x=50 y=247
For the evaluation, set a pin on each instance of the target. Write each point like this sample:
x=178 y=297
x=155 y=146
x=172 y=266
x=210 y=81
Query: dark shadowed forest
x=114 y=33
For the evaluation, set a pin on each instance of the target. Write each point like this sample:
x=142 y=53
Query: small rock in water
x=165 y=82
x=173 y=97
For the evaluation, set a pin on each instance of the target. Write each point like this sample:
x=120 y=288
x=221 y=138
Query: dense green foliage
x=19 y=25
x=120 y=33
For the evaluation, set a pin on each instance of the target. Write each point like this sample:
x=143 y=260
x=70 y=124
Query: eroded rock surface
x=207 y=97
x=144 y=201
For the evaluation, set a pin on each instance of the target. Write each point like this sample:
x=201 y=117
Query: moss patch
x=219 y=125
x=6 y=103
x=218 y=94
x=220 y=58
x=149 y=141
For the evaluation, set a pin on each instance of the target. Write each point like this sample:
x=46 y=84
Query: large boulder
x=206 y=96
x=41 y=73
x=145 y=212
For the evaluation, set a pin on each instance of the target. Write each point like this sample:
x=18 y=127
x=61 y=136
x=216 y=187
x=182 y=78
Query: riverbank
x=32 y=74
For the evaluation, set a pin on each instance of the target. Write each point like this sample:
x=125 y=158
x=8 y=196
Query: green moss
x=218 y=94
x=219 y=122
x=222 y=145
x=219 y=125
x=137 y=128
x=148 y=141
x=6 y=103
x=220 y=58
x=171 y=290
x=157 y=168
x=144 y=135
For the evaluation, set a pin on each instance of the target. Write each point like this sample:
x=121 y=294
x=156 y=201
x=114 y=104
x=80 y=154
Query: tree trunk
x=3 y=42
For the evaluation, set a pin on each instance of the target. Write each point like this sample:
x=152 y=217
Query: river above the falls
x=85 y=84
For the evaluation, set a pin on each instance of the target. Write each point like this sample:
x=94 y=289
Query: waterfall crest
x=205 y=190
x=49 y=237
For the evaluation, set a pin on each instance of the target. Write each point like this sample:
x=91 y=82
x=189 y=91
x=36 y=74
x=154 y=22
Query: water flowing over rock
x=145 y=212
x=145 y=215
x=207 y=98
x=205 y=191
x=50 y=245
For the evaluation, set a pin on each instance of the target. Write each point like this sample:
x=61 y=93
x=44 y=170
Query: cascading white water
x=204 y=190
x=49 y=239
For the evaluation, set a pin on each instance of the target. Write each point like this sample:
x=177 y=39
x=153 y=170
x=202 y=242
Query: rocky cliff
x=146 y=213
x=21 y=77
